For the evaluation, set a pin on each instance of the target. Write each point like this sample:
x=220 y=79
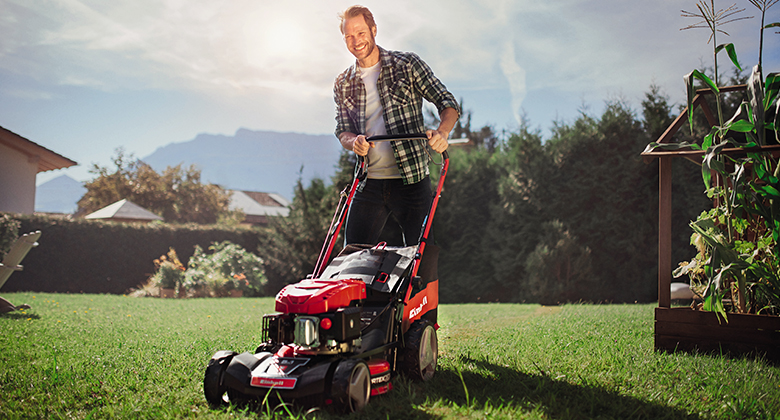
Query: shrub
x=9 y=231
x=170 y=271
x=228 y=267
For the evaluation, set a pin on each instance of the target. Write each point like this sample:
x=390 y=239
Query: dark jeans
x=384 y=200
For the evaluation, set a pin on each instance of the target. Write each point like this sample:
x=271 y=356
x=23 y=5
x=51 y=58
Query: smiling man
x=382 y=93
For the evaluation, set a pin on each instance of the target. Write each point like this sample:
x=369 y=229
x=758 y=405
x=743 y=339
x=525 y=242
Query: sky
x=85 y=77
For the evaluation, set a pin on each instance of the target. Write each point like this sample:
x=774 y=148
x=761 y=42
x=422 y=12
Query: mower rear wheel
x=421 y=352
x=352 y=384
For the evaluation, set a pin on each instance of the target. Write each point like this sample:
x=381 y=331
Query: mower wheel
x=267 y=348
x=421 y=351
x=213 y=388
x=351 y=387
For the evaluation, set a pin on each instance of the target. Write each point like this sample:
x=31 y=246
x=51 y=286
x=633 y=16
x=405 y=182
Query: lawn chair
x=20 y=248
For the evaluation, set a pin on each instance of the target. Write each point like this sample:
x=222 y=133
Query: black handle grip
x=387 y=137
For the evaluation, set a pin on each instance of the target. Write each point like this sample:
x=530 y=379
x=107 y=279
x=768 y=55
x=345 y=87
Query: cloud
x=263 y=50
x=516 y=76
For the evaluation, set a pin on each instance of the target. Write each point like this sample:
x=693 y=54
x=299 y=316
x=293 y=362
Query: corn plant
x=739 y=239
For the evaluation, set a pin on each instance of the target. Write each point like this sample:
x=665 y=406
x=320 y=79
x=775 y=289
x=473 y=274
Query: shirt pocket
x=350 y=104
x=352 y=110
x=401 y=92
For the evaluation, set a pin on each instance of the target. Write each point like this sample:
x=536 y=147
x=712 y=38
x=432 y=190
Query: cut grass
x=102 y=356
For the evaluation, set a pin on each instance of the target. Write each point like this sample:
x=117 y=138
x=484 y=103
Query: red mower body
x=313 y=297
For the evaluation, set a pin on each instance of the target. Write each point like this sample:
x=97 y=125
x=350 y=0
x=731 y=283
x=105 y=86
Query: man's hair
x=355 y=11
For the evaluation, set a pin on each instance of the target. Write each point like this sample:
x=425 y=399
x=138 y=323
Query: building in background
x=20 y=162
x=124 y=211
x=257 y=206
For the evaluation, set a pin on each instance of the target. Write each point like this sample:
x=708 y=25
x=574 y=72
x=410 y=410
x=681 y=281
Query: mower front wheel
x=351 y=385
x=213 y=388
x=421 y=351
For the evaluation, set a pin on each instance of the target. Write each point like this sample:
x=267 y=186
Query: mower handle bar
x=391 y=137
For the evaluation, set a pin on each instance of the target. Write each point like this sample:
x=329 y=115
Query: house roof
x=47 y=159
x=254 y=203
x=124 y=210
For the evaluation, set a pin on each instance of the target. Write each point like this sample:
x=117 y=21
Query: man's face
x=359 y=37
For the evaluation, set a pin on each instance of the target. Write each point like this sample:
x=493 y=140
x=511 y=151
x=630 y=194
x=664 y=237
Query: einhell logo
x=416 y=311
x=278 y=383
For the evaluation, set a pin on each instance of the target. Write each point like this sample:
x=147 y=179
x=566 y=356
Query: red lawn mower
x=340 y=336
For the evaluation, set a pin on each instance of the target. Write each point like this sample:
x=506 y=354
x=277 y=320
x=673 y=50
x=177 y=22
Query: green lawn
x=101 y=356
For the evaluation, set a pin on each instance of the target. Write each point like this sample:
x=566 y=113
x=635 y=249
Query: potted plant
x=240 y=285
x=169 y=274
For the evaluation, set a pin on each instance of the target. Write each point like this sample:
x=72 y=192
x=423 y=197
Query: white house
x=257 y=206
x=20 y=162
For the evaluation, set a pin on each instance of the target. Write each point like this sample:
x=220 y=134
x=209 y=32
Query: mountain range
x=250 y=160
x=59 y=195
x=263 y=161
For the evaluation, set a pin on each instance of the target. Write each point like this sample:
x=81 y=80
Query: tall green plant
x=748 y=252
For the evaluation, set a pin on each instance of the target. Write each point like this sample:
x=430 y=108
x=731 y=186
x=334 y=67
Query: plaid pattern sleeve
x=405 y=80
x=349 y=93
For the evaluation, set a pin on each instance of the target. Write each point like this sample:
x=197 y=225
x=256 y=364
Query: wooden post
x=664 y=231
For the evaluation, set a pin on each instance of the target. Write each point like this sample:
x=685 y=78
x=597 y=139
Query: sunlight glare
x=272 y=41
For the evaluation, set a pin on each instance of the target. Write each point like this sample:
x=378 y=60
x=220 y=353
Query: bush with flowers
x=224 y=267
x=170 y=271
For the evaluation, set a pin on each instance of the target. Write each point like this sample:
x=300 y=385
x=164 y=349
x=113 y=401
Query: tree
x=470 y=191
x=603 y=196
x=559 y=269
x=178 y=194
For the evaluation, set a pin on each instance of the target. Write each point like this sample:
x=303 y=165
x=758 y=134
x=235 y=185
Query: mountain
x=254 y=160
x=58 y=195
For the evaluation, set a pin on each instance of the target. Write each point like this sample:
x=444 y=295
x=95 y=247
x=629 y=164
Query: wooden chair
x=20 y=248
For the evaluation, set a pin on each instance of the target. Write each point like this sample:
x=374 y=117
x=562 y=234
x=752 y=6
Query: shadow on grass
x=19 y=315
x=508 y=388
x=497 y=391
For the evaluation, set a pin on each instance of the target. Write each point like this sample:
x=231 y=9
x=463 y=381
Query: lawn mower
x=340 y=336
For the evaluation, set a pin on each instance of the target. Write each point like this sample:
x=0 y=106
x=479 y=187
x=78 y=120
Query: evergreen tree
x=519 y=212
x=470 y=191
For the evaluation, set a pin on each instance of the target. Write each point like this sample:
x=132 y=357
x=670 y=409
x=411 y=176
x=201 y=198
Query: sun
x=272 y=39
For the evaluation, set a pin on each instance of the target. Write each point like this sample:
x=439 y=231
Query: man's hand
x=437 y=140
x=360 y=145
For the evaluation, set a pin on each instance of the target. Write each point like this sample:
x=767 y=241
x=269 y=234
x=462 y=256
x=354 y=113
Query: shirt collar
x=384 y=58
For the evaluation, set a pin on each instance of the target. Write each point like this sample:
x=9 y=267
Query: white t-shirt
x=381 y=159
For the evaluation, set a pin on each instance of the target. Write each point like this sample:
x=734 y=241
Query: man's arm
x=355 y=143
x=437 y=139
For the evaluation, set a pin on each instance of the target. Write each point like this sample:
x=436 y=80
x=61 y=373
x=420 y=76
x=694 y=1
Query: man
x=380 y=94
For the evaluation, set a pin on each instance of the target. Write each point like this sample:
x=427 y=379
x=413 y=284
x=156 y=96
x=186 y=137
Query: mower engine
x=317 y=316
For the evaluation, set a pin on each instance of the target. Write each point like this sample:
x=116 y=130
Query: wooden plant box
x=688 y=330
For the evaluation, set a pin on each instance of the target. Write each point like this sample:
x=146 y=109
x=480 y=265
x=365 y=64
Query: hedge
x=87 y=256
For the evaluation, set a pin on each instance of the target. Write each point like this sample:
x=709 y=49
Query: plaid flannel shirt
x=403 y=82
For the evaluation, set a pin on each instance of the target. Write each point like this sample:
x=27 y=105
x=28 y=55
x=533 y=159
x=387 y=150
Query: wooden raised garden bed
x=688 y=330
